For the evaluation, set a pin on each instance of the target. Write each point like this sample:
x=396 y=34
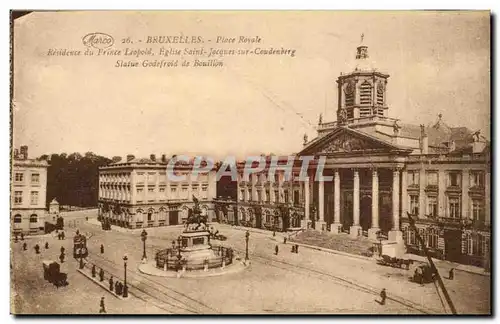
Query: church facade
x=383 y=169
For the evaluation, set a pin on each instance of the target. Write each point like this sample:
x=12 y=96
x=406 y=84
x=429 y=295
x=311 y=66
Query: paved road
x=308 y=282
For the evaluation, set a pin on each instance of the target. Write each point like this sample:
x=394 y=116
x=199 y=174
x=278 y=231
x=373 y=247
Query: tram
x=80 y=246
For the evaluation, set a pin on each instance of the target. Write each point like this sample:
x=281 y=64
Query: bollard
x=165 y=266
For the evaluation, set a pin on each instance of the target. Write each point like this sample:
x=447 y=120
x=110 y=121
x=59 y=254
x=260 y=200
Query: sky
x=438 y=62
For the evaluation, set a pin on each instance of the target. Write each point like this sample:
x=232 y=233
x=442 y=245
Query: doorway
x=365 y=212
x=173 y=217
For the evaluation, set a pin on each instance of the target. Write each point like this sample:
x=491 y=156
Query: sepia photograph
x=279 y=162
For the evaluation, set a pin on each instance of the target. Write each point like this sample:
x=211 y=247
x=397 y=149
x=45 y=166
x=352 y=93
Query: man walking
x=102 y=249
x=276 y=249
x=102 y=309
x=111 y=283
x=451 y=274
x=383 y=296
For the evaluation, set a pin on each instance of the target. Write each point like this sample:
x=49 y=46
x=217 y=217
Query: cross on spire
x=362 y=37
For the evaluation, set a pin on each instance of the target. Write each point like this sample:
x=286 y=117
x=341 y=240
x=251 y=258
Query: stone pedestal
x=144 y=260
x=372 y=233
x=336 y=228
x=396 y=236
x=321 y=226
x=355 y=231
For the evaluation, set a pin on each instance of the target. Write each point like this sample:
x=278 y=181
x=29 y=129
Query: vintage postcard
x=250 y=162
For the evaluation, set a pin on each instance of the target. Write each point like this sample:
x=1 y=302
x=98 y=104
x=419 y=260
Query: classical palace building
x=28 y=193
x=261 y=202
x=383 y=169
x=138 y=193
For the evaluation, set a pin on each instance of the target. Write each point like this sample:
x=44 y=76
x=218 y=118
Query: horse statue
x=195 y=216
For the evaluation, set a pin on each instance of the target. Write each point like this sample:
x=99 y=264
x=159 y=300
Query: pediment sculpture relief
x=346 y=144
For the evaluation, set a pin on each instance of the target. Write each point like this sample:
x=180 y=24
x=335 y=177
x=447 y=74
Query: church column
x=321 y=225
x=372 y=232
x=395 y=234
x=336 y=226
x=465 y=194
x=306 y=203
x=355 y=228
x=404 y=193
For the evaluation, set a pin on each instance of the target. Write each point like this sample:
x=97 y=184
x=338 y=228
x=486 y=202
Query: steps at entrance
x=338 y=242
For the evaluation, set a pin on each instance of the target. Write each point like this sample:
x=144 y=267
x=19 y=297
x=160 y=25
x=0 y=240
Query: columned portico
x=336 y=226
x=395 y=234
x=355 y=228
x=321 y=225
x=306 y=203
x=372 y=232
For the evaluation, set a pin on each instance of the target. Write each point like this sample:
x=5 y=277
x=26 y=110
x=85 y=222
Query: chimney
x=477 y=145
x=152 y=157
x=452 y=146
x=424 y=141
x=24 y=152
x=164 y=158
x=130 y=157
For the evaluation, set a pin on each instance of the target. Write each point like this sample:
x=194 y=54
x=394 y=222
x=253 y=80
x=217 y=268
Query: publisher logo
x=98 y=40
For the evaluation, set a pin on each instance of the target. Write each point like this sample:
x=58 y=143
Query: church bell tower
x=362 y=92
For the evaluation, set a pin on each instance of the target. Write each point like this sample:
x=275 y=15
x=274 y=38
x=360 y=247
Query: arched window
x=17 y=219
x=34 y=218
x=150 y=214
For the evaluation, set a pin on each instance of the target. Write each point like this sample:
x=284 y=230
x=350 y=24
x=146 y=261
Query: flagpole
x=433 y=267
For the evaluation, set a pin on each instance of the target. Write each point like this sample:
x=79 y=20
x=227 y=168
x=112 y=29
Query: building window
x=268 y=196
x=413 y=178
x=454 y=207
x=454 y=178
x=477 y=179
x=18 y=219
x=433 y=238
x=140 y=191
x=287 y=198
x=268 y=218
x=276 y=196
x=477 y=210
x=35 y=178
x=150 y=216
x=242 y=195
x=151 y=191
x=33 y=218
x=432 y=178
x=414 y=204
x=276 y=178
x=432 y=206
x=162 y=190
x=250 y=197
x=34 y=198
x=475 y=244
x=259 y=196
x=19 y=177
x=173 y=190
x=18 y=197
x=411 y=237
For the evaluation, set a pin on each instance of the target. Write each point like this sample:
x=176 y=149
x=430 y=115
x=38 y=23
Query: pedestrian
x=62 y=235
x=93 y=271
x=59 y=236
x=383 y=296
x=37 y=249
x=102 y=249
x=22 y=237
x=61 y=257
x=62 y=249
x=111 y=283
x=102 y=307
x=101 y=275
x=120 y=289
x=284 y=240
x=293 y=248
x=297 y=248
x=46 y=245
x=451 y=274
x=25 y=246
x=276 y=249
x=274 y=233
x=116 y=287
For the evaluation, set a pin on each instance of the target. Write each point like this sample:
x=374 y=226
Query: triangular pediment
x=348 y=141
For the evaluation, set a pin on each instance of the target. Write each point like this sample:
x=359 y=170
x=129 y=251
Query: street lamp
x=125 y=288
x=144 y=237
x=247 y=235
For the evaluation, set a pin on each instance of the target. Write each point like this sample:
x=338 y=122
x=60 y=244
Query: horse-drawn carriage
x=395 y=262
x=424 y=274
x=52 y=273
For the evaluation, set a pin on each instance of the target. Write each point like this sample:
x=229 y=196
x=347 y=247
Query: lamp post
x=179 y=242
x=247 y=235
x=144 y=237
x=125 y=288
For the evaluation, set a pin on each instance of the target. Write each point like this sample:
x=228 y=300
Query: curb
x=345 y=254
x=235 y=268
x=103 y=286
